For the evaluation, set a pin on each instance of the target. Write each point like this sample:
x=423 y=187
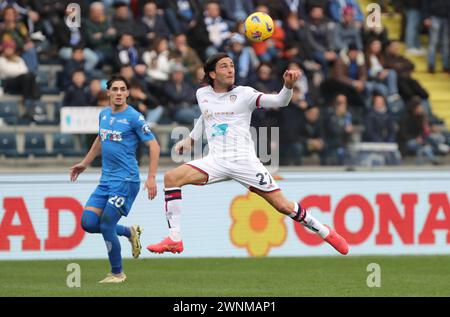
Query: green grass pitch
x=223 y=277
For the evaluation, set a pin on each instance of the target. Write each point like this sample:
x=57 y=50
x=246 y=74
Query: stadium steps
x=437 y=84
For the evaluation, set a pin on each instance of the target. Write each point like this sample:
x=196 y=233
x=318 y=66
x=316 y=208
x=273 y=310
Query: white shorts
x=251 y=174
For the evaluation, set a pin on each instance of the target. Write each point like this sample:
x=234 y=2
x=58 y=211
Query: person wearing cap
x=226 y=115
x=336 y=10
x=347 y=31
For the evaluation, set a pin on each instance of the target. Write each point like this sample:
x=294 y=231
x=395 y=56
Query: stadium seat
x=64 y=144
x=8 y=145
x=9 y=111
x=43 y=79
x=36 y=111
x=35 y=144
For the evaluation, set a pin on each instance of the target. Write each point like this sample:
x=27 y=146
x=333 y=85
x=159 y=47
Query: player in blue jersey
x=121 y=128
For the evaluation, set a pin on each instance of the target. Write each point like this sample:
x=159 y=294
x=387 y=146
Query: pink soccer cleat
x=337 y=241
x=166 y=245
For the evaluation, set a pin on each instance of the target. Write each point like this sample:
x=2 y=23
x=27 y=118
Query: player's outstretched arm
x=79 y=168
x=284 y=96
x=150 y=183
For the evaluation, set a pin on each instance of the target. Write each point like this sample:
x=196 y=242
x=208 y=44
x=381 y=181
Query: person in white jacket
x=14 y=74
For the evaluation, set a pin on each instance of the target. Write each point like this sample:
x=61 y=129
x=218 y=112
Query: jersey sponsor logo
x=111 y=135
x=146 y=129
x=104 y=117
x=207 y=115
x=233 y=98
x=124 y=121
x=220 y=129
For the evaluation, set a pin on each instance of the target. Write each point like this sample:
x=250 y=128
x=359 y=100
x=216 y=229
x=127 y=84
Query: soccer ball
x=258 y=27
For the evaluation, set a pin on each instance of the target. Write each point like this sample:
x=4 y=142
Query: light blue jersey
x=120 y=134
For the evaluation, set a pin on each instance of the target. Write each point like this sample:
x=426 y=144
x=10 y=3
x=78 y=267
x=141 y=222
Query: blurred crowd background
x=358 y=83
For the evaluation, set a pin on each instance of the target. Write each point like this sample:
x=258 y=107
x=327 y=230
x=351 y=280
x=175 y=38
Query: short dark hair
x=210 y=66
x=117 y=78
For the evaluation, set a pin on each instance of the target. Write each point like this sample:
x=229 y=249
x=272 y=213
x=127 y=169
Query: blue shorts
x=120 y=195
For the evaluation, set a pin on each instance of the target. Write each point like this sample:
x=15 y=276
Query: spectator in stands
x=297 y=50
x=126 y=52
x=302 y=85
x=338 y=132
x=51 y=13
x=374 y=31
x=77 y=94
x=265 y=81
x=378 y=73
x=437 y=15
x=349 y=77
x=181 y=97
x=244 y=59
x=69 y=38
x=336 y=10
x=418 y=136
x=291 y=121
x=15 y=76
x=76 y=62
x=295 y=30
x=152 y=25
x=197 y=81
x=412 y=10
x=189 y=57
x=320 y=38
x=123 y=20
x=271 y=49
x=236 y=10
x=182 y=15
x=95 y=91
x=26 y=14
x=408 y=87
x=301 y=132
x=10 y=29
x=145 y=102
x=99 y=32
x=312 y=134
x=218 y=29
x=347 y=31
x=102 y=99
x=379 y=126
x=296 y=8
x=157 y=60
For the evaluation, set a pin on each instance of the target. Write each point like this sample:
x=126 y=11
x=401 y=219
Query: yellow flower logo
x=257 y=226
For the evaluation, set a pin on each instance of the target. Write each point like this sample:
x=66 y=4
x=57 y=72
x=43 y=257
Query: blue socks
x=90 y=222
x=110 y=231
x=110 y=218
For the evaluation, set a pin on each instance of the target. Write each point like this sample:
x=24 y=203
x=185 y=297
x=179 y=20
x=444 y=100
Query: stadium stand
x=35 y=123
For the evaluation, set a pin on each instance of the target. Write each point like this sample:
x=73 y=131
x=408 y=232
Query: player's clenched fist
x=290 y=77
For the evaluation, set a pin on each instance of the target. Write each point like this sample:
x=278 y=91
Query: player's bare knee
x=171 y=179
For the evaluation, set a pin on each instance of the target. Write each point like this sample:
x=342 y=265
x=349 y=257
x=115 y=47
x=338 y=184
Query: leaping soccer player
x=121 y=128
x=226 y=113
